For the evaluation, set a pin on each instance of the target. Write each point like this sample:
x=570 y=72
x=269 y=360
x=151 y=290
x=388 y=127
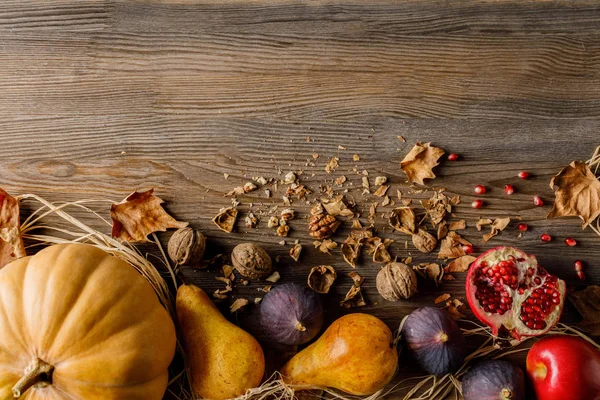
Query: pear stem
x=36 y=372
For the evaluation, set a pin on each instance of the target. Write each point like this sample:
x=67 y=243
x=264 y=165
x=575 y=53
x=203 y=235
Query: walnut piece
x=226 y=218
x=186 y=247
x=251 y=261
x=321 y=278
x=295 y=252
x=396 y=281
x=322 y=226
x=424 y=241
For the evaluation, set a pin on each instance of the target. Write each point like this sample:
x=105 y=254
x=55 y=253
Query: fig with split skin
x=291 y=314
x=494 y=380
x=508 y=291
x=434 y=340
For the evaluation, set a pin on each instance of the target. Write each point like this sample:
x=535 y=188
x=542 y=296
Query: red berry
x=571 y=242
x=523 y=175
x=467 y=248
x=480 y=189
x=509 y=189
x=523 y=227
x=537 y=200
x=581 y=275
x=545 y=237
x=453 y=156
x=578 y=266
x=477 y=203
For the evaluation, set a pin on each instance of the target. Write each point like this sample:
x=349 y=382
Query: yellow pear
x=224 y=360
x=356 y=355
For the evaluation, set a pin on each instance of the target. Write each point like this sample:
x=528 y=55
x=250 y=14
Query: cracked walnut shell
x=396 y=281
x=251 y=261
x=322 y=226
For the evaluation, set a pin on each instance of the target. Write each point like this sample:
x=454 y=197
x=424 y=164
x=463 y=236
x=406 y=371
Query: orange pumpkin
x=79 y=324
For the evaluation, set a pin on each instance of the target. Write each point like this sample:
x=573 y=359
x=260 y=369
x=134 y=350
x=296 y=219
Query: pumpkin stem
x=36 y=372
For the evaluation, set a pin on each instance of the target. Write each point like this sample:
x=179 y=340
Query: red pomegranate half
x=508 y=291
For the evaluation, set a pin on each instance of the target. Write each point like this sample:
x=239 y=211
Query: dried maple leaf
x=321 y=278
x=442 y=298
x=424 y=241
x=497 y=226
x=451 y=246
x=238 y=305
x=461 y=264
x=419 y=162
x=11 y=243
x=587 y=303
x=577 y=192
x=403 y=220
x=226 y=218
x=139 y=215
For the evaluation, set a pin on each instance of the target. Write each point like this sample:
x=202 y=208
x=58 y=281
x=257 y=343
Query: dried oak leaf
x=577 y=192
x=424 y=241
x=451 y=246
x=430 y=271
x=238 y=305
x=11 y=243
x=437 y=207
x=461 y=264
x=497 y=226
x=321 y=278
x=587 y=302
x=226 y=218
x=418 y=163
x=139 y=215
x=403 y=220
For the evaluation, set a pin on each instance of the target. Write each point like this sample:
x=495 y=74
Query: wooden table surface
x=102 y=97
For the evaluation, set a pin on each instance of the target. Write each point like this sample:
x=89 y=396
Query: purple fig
x=291 y=314
x=494 y=380
x=435 y=341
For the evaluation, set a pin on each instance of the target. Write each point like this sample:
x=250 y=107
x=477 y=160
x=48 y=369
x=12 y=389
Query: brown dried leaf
x=403 y=220
x=482 y=222
x=442 y=230
x=424 y=241
x=430 y=271
x=418 y=163
x=332 y=164
x=238 y=305
x=497 y=226
x=321 y=278
x=451 y=246
x=381 y=190
x=442 y=298
x=461 y=264
x=577 y=192
x=587 y=303
x=354 y=298
x=457 y=225
x=11 y=243
x=139 y=215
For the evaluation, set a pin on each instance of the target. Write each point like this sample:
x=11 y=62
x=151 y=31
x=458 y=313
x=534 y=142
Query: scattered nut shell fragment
x=249 y=187
x=226 y=219
x=251 y=261
x=186 y=246
x=295 y=252
x=424 y=241
x=273 y=222
x=290 y=177
x=287 y=214
x=321 y=278
x=396 y=281
x=380 y=180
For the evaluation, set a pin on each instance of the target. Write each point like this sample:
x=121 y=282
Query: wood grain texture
x=102 y=97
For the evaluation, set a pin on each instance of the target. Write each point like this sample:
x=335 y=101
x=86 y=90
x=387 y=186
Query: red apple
x=564 y=367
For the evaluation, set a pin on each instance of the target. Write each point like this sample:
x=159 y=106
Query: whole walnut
x=251 y=261
x=396 y=281
x=186 y=247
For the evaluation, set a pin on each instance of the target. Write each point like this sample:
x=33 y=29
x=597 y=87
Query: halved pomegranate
x=508 y=291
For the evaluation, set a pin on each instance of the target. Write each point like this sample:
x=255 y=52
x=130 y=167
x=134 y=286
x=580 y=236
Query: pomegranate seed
x=523 y=227
x=509 y=189
x=581 y=275
x=545 y=237
x=480 y=189
x=467 y=248
x=537 y=200
x=571 y=242
x=453 y=156
x=578 y=266
x=477 y=203
x=523 y=175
